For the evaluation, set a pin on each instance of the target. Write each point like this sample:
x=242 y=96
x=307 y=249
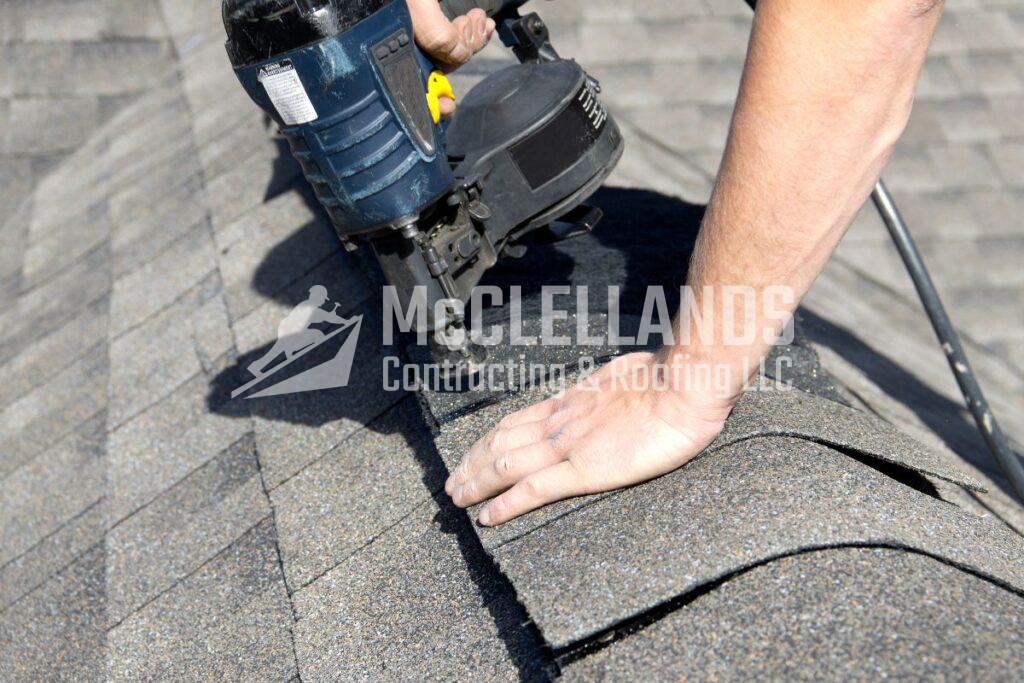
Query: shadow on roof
x=645 y=239
x=943 y=416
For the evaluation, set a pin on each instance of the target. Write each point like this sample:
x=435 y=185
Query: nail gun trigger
x=479 y=211
x=580 y=221
x=514 y=251
x=468 y=194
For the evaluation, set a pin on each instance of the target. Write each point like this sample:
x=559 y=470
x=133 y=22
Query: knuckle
x=557 y=439
x=562 y=437
x=497 y=438
x=440 y=40
x=503 y=466
x=531 y=488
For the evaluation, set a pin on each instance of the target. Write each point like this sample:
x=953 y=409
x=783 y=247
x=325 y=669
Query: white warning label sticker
x=286 y=92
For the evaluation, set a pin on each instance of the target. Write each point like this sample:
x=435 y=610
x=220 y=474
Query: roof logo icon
x=297 y=337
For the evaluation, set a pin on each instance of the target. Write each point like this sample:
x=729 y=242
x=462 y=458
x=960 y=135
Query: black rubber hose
x=949 y=339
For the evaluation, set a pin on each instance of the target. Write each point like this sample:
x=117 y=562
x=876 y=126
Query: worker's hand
x=600 y=435
x=451 y=43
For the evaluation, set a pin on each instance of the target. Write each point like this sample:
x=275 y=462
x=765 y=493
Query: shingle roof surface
x=154 y=232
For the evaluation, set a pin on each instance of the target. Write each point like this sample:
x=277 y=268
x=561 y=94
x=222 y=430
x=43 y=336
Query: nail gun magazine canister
x=345 y=84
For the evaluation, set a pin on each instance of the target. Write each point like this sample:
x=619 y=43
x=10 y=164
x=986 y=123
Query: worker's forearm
x=825 y=94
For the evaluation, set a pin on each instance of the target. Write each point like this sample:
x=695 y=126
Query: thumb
x=436 y=35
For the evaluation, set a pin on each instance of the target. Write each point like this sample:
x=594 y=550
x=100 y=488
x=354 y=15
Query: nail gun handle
x=456 y=8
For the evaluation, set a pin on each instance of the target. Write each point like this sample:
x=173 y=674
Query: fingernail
x=484 y=517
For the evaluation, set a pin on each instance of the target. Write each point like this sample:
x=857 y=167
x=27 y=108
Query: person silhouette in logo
x=294 y=334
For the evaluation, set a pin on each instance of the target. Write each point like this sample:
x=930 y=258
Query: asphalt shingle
x=50 y=250
x=899 y=355
x=290 y=231
x=142 y=237
x=161 y=446
x=340 y=503
x=158 y=283
x=832 y=614
x=217 y=100
x=18 y=181
x=117 y=67
x=84 y=20
x=134 y=19
x=258 y=328
x=225 y=150
x=409 y=607
x=194 y=520
x=230 y=618
x=537 y=361
x=23 y=574
x=55 y=408
x=64 y=620
x=156 y=127
x=50 y=305
x=144 y=179
x=187 y=17
x=50 y=354
x=236 y=191
x=49 y=125
x=778 y=411
x=731 y=509
x=1010 y=160
x=41 y=69
x=296 y=429
x=166 y=350
x=38 y=498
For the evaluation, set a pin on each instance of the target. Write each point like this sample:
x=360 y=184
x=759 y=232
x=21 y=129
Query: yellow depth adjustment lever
x=438 y=87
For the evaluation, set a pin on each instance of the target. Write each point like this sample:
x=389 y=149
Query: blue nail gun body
x=353 y=109
x=439 y=201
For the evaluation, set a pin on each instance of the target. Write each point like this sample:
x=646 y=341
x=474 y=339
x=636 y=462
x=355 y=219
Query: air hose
x=994 y=438
x=949 y=339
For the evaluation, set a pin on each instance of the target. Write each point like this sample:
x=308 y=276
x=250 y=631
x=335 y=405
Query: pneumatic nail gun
x=439 y=200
